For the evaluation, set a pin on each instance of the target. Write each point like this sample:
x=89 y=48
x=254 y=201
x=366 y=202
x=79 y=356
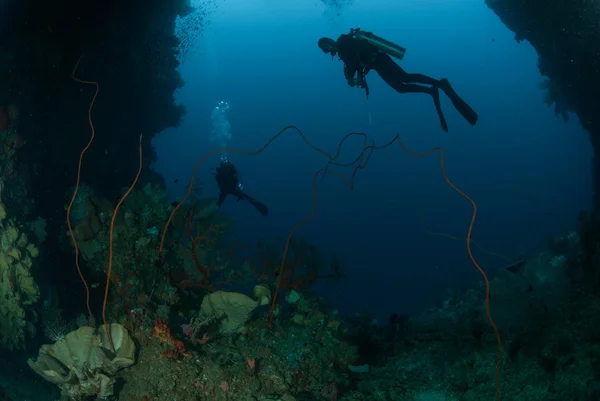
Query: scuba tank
x=382 y=44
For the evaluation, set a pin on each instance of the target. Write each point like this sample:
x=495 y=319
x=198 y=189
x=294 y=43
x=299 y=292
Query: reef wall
x=129 y=48
x=566 y=35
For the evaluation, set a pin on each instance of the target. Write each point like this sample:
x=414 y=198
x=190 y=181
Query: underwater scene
x=300 y=200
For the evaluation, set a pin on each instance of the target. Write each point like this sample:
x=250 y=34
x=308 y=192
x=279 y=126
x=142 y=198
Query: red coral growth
x=161 y=330
x=202 y=237
x=303 y=266
x=174 y=348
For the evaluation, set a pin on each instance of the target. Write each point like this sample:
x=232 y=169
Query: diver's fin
x=261 y=207
x=517 y=267
x=463 y=108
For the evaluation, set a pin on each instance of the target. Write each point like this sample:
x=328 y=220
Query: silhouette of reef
x=566 y=35
x=129 y=48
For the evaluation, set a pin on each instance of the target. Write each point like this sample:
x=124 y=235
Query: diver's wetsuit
x=229 y=184
x=359 y=57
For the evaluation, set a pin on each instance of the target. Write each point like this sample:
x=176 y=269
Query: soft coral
x=174 y=348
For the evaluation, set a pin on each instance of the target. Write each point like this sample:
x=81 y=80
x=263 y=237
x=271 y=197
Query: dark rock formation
x=129 y=48
x=566 y=35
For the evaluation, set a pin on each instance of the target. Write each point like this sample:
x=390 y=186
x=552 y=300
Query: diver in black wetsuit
x=362 y=51
x=229 y=184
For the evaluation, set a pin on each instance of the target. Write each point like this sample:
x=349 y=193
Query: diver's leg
x=421 y=79
x=438 y=108
x=221 y=199
x=413 y=88
x=463 y=108
x=259 y=206
x=396 y=77
x=239 y=194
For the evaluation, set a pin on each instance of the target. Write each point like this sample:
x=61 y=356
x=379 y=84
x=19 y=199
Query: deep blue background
x=528 y=171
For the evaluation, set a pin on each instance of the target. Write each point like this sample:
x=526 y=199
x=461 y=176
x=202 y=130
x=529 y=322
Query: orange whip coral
x=112 y=222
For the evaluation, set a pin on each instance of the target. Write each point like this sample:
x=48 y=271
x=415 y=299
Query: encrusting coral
x=18 y=290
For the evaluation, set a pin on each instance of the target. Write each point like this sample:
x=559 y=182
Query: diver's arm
x=349 y=73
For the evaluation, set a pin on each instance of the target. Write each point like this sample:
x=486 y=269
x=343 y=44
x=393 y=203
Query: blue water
x=527 y=170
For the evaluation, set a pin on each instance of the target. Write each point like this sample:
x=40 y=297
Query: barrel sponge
x=18 y=289
x=83 y=363
x=231 y=309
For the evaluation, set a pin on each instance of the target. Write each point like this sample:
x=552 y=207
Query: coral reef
x=548 y=323
x=18 y=290
x=292 y=363
x=197 y=341
x=136 y=279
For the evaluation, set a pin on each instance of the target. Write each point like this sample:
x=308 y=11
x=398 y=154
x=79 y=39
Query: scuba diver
x=229 y=184
x=363 y=51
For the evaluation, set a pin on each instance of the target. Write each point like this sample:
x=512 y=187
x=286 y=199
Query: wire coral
x=77 y=185
x=112 y=222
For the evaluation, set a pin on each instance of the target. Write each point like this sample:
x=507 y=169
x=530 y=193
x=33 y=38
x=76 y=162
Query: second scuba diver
x=363 y=51
x=229 y=184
